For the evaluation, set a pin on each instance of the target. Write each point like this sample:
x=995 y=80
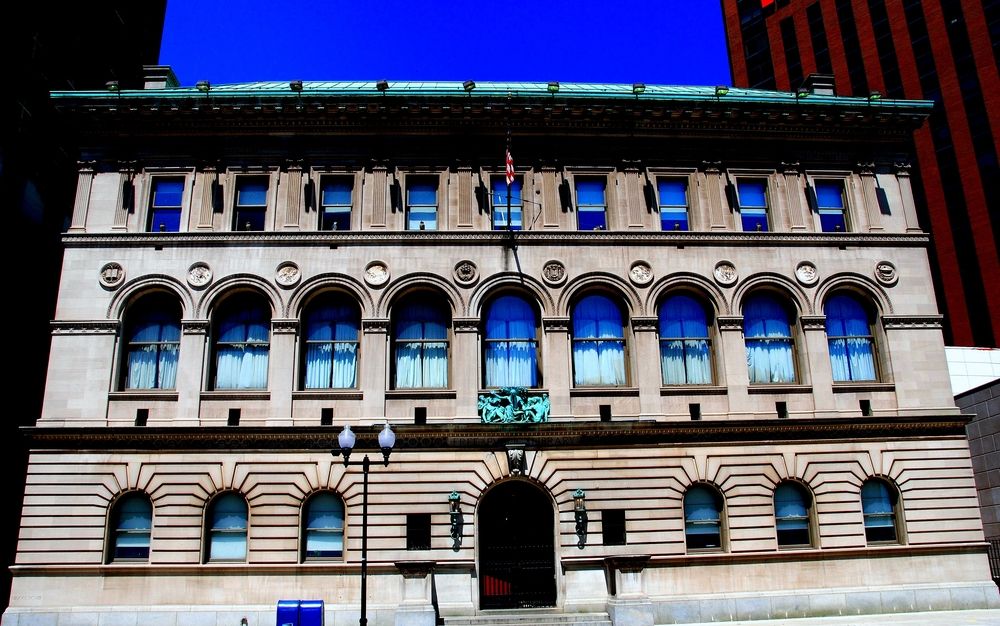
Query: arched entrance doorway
x=516 y=548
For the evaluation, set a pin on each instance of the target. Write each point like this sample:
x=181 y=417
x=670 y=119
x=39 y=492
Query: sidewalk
x=983 y=617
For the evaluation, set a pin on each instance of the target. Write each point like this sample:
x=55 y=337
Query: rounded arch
x=530 y=480
x=129 y=525
x=598 y=281
x=226 y=523
x=772 y=282
x=857 y=284
x=704 y=508
x=492 y=286
x=318 y=285
x=322 y=525
x=794 y=513
x=234 y=283
x=420 y=280
x=686 y=281
x=882 y=510
x=139 y=287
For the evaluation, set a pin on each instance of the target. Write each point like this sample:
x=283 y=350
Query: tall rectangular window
x=817 y=33
x=673 y=203
x=613 y=527
x=165 y=205
x=753 y=204
x=421 y=204
x=793 y=61
x=418 y=531
x=251 y=204
x=499 y=199
x=830 y=206
x=335 y=203
x=591 y=207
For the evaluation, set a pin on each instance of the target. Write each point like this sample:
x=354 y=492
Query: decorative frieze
x=813 y=322
x=911 y=322
x=644 y=324
x=555 y=324
x=194 y=327
x=730 y=322
x=375 y=326
x=465 y=324
x=282 y=326
x=84 y=327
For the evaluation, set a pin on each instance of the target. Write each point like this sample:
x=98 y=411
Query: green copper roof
x=516 y=90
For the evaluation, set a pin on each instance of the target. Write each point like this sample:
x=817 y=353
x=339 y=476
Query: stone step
x=530 y=617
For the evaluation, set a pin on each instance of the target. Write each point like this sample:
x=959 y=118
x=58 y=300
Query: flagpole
x=510 y=180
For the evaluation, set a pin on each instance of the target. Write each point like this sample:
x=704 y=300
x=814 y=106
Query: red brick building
x=941 y=50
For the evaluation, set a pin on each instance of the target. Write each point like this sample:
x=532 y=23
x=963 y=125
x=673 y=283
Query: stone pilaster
x=464 y=368
x=647 y=373
x=281 y=368
x=906 y=197
x=556 y=365
x=866 y=172
x=190 y=371
x=84 y=184
x=374 y=369
x=734 y=351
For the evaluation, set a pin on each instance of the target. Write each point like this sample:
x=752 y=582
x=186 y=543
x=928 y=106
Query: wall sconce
x=203 y=86
x=295 y=85
x=456 y=520
x=469 y=85
x=638 y=88
x=554 y=87
x=580 y=514
x=721 y=90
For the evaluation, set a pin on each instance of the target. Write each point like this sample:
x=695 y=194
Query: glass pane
x=673 y=220
x=752 y=193
x=591 y=219
x=321 y=544
x=167 y=193
x=421 y=193
x=829 y=195
x=229 y=512
x=251 y=193
x=754 y=221
x=249 y=219
x=832 y=221
x=590 y=192
x=135 y=512
x=165 y=220
x=326 y=511
x=499 y=192
x=336 y=191
x=673 y=192
x=336 y=218
x=422 y=218
x=227 y=547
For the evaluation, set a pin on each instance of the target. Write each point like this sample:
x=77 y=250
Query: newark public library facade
x=694 y=374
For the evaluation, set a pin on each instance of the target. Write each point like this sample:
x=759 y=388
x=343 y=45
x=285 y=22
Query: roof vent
x=159 y=77
x=820 y=84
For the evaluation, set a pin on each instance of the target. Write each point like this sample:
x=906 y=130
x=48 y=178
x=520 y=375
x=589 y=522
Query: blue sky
x=655 y=42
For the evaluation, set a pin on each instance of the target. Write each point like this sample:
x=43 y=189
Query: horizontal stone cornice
x=912 y=321
x=84 y=327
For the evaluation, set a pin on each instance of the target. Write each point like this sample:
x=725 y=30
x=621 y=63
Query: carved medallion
x=806 y=273
x=376 y=273
x=287 y=274
x=640 y=273
x=885 y=273
x=199 y=275
x=725 y=273
x=466 y=272
x=554 y=273
x=112 y=275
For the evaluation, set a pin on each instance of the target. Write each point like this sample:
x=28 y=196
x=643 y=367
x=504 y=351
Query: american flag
x=510 y=168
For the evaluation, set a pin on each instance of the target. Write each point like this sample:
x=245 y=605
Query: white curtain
x=242 y=350
x=852 y=355
x=229 y=529
x=769 y=343
x=684 y=349
x=598 y=362
x=153 y=349
x=331 y=347
x=511 y=354
x=325 y=526
x=421 y=362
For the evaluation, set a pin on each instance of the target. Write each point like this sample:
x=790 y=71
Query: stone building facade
x=721 y=299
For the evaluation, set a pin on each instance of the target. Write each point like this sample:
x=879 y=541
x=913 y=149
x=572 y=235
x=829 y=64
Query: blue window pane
x=251 y=193
x=829 y=195
x=422 y=193
x=165 y=220
x=673 y=192
x=752 y=193
x=702 y=519
x=249 y=219
x=590 y=192
x=753 y=220
x=425 y=219
x=498 y=197
x=592 y=220
x=336 y=218
x=336 y=191
x=167 y=193
x=832 y=222
x=673 y=220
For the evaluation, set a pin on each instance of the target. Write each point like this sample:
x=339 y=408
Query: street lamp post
x=346 y=439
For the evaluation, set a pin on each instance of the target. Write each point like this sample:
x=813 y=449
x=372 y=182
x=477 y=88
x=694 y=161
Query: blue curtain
x=598 y=343
x=852 y=353
x=768 y=335
x=702 y=518
x=791 y=510
x=132 y=528
x=511 y=344
x=421 y=347
x=242 y=348
x=324 y=526
x=228 y=534
x=331 y=346
x=876 y=504
x=684 y=351
x=153 y=348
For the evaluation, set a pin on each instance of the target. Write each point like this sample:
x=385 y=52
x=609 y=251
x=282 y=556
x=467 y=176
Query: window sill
x=420 y=394
x=147 y=395
x=234 y=394
x=780 y=388
x=706 y=551
x=692 y=390
x=585 y=392
x=328 y=394
x=862 y=387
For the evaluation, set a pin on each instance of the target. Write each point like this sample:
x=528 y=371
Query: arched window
x=243 y=330
x=227 y=528
x=421 y=338
x=685 y=356
x=153 y=342
x=770 y=346
x=331 y=345
x=131 y=525
x=703 y=518
x=791 y=514
x=879 y=502
x=598 y=342
x=849 y=333
x=511 y=343
x=324 y=527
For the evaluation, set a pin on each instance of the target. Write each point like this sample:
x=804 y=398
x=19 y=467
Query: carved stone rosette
x=640 y=273
x=466 y=273
x=554 y=273
x=725 y=273
x=112 y=275
x=287 y=274
x=199 y=275
x=376 y=273
x=806 y=273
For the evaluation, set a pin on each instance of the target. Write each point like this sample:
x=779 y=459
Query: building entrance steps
x=530 y=617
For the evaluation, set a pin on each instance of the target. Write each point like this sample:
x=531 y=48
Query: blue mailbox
x=300 y=613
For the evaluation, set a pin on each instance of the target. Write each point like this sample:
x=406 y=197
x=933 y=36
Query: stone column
x=464 y=367
x=632 y=197
x=379 y=193
x=734 y=354
x=206 y=202
x=818 y=361
x=126 y=197
x=557 y=369
x=466 y=197
x=281 y=370
x=647 y=358
x=374 y=371
x=866 y=172
x=906 y=196
x=713 y=196
x=191 y=371
x=293 y=197
x=791 y=184
x=415 y=608
x=84 y=183
x=629 y=605
x=551 y=207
